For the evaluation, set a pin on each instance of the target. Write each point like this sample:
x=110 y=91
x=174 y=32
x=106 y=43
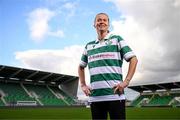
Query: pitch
x=77 y=113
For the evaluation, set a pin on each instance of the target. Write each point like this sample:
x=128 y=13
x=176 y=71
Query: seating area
x=157 y=99
x=42 y=94
x=1 y=103
x=66 y=97
x=13 y=93
x=139 y=100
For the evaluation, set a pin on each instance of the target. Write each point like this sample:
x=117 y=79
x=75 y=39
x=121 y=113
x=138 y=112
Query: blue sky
x=73 y=18
x=50 y=35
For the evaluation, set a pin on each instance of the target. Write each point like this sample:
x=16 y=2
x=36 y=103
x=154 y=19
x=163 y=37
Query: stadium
x=34 y=94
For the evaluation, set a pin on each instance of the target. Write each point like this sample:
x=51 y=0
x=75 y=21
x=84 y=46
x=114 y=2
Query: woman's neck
x=101 y=35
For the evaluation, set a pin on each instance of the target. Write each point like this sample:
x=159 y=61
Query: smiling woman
x=104 y=57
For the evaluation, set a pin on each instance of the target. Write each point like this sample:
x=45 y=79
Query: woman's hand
x=120 y=87
x=86 y=89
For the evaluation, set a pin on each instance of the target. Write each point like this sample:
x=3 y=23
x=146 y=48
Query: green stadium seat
x=45 y=96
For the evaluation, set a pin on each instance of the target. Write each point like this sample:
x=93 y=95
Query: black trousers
x=116 y=110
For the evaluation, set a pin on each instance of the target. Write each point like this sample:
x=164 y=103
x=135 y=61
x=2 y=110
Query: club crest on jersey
x=109 y=42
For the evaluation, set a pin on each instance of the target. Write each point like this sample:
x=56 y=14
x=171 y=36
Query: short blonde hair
x=101 y=14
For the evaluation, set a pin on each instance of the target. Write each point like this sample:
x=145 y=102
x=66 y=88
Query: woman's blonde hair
x=101 y=14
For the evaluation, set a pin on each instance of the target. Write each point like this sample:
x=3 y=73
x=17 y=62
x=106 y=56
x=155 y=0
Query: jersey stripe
x=105 y=69
x=108 y=48
x=102 y=91
x=104 y=84
x=105 y=62
x=106 y=76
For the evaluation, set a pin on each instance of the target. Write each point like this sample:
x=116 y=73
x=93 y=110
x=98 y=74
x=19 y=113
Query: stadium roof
x=155 y=87
x=14 y=74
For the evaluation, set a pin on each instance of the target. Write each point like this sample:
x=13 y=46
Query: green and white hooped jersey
x=104 y=60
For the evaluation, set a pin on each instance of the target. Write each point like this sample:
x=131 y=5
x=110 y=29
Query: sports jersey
x=104 y=59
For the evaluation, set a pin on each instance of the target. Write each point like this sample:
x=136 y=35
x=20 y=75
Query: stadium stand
x=25 y=87
x=160 y=94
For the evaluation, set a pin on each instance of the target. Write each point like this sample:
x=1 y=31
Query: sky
x=50 y=35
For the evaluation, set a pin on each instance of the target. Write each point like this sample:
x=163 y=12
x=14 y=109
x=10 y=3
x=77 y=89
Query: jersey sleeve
x=125 y=51
x=84 y=58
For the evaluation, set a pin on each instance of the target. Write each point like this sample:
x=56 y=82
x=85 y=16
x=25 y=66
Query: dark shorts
x=116 y=110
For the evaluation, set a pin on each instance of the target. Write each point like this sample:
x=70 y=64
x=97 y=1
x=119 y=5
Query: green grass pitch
x=84 y=113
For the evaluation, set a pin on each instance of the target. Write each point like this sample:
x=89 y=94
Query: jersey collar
x=105 y=38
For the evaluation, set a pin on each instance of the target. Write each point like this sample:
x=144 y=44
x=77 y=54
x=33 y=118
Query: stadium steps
x=13 y=93
x=26 y=90
x=33 y=94
x=152 y=96
x=2 y=102
x=66 y=97
x=139 y=100
x=57 y=95
x=136 y=101
x=160 y=100
x=176 y=100
x=45 y=96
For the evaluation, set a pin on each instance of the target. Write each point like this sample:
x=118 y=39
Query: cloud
x=58 y=33
x=38 y=21
x=71 y=8
x=63 y=61
x=152 y=29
